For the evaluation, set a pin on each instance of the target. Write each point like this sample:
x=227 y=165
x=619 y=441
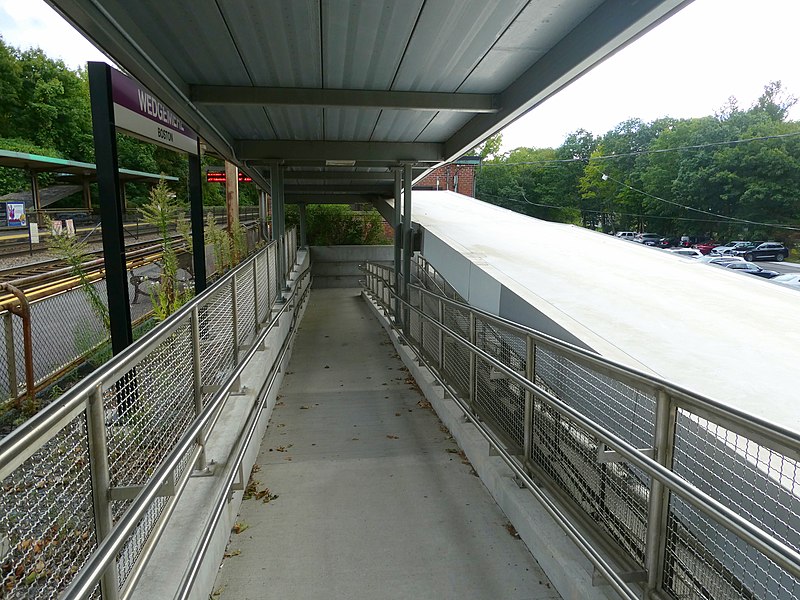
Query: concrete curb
x=565 y=565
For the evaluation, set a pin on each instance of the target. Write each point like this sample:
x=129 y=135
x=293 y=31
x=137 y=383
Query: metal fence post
x=234 y=321
x=441 y=336
x=473 y=367
x=201 y=464
x=11 y=356
x=530 y=375
x=658 y=502
x=101 y=484
x=255 y=293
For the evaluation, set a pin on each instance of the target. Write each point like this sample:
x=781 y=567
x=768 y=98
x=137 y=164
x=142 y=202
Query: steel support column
x=398 y=242
x=407 y=228
x=105 y=150
x=303 y=225
x=198 y=229
x=278 y=221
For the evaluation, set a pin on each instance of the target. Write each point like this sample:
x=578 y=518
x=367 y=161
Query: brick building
x=458 y=176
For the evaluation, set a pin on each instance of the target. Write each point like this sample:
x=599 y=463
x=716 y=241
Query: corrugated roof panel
x=243 y=122
x=540 y=27
x=401 y=126
x=451 y=38
x=291 y=59
x=211 y=58
x=442 y=124
x=364 y=43
x=296 y=123
x=350 y=123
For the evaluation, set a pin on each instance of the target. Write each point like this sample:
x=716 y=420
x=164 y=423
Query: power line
x=625 y=214
x=587 y=210
x=705 y=212
x=643 y=152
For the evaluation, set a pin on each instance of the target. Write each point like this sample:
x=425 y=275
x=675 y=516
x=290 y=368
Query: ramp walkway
x=372 y=498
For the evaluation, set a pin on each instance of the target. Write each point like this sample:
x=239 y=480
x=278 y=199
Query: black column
x=105 y=150
x=198 y=227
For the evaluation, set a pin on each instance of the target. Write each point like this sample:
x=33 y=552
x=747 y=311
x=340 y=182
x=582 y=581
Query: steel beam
x=108 y=26
x=322 y=188
x=612 y=26
x=354 y=175
x=330 y=198
x=383 y=99
x=322 y=150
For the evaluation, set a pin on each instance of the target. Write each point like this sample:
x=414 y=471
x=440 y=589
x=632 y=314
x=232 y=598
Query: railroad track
x=46 y=278
x=132 y=231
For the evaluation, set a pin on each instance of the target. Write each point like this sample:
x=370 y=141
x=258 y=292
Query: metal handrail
x=240 y=446
x=106 y=550
x=25 y=440
x=780 y=553
x=777 y=437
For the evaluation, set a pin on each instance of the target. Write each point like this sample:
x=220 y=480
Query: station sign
x=219 y=177
x=141 y=114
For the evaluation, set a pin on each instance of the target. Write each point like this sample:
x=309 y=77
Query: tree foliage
x=734 y=174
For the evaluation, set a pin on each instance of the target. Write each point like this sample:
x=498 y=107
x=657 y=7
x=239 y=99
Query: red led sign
x=219 y=177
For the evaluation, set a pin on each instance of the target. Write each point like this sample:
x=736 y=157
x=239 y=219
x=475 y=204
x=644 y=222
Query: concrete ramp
x=730 y=337
x=373 y=498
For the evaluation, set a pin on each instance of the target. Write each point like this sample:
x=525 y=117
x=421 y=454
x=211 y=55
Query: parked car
x=686 y=252
x=721 y=260
x=648 y=239
x=766 y=251
x=626 y=235
x=790 y=279
x=668 y=242
x=706 y=247
x=725 y=248
x=751 y=268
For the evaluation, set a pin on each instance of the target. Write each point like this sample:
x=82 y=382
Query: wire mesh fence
x=48 y=510
x=67 y=331
x=527 y=387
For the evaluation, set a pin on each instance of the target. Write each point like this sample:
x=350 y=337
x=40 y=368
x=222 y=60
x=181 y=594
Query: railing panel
x=245 y=307
x=529 y=387
x=456 y=357
x=748 y=478
x=46 y=517
x=216 y=335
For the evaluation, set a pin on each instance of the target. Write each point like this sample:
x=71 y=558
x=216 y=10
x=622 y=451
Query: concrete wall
x=337 y=266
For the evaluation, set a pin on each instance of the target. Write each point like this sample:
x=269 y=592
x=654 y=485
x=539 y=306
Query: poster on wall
x=15 y=213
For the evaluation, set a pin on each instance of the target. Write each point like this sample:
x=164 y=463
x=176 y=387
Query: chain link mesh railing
x=584 y=412
x=128 y=416
x=66 y=331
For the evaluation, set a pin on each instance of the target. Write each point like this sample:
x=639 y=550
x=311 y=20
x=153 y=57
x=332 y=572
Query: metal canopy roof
x=370 y=82
x=70 y=169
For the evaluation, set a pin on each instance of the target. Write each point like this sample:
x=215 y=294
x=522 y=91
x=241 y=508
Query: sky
x=686 y=67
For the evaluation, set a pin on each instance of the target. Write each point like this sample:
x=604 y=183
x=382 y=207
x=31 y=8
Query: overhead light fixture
x=340 y=163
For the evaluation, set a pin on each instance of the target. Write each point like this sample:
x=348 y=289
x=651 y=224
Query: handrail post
x=101 y=484
x=530 y=375
x=23 y=311
x=473 y=368
x=441 y=337
x=255 y=293
x=11 y=356
x=197 y=381
x=658 y=502
x=234 y=321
